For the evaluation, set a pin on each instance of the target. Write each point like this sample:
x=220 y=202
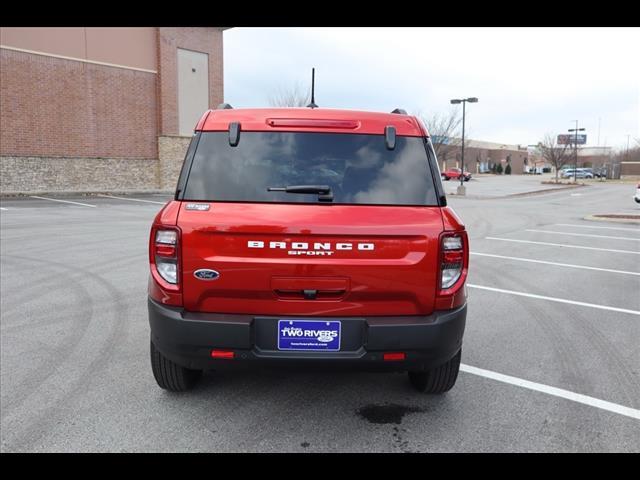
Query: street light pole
x=464 y=102
x=575 y=167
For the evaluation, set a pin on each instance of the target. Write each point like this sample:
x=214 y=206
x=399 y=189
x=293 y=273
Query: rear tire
x=437 y=380
x=170 y=375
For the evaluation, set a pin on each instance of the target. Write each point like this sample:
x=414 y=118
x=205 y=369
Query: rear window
x=359 y=169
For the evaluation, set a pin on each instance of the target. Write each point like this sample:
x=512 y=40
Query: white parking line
x=555 y=263
x=63 y=201
x=555 y=299
x=131 y=199
x=563 y=245
x=556 y=392
x=2 y=208
x=637 y=230
x=584 y=235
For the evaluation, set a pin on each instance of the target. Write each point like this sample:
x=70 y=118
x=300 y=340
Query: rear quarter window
x=358 y=168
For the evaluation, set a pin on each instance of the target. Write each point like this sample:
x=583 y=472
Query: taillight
x=452 y=260
x=165 y=251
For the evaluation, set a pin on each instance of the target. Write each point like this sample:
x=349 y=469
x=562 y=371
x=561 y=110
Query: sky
x=529 y=81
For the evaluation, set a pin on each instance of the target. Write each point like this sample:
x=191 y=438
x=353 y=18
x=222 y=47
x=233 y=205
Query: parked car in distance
x=454 y=173
x=585 y=173
x=600 y=172
x=577 y=173
x=637 y=195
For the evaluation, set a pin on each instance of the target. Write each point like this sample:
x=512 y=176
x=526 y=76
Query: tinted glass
x=358 y=168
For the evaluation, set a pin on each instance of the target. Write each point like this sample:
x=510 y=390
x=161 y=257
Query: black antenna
x=313 y=89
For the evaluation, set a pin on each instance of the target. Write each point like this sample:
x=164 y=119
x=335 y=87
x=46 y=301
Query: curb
x=515 y=195
x=85 y=193
x=631 y=221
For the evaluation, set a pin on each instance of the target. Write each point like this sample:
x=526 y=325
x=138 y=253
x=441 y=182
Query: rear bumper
x=187 y=338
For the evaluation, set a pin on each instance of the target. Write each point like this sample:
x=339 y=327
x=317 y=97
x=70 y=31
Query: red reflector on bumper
x=393 y=356
x=222 y=354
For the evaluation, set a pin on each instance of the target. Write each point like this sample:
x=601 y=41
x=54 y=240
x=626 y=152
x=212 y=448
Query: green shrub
x=507 y=171
x=499 y=169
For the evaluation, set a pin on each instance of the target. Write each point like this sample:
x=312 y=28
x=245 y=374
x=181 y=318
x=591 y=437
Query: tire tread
x=171 y=376
x=439 y=379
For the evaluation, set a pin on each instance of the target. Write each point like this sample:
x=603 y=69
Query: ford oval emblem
x=206 y=274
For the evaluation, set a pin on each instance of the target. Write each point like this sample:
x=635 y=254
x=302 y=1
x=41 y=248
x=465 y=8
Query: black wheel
x=437 y=380
x=170 y=375
x=446 y=179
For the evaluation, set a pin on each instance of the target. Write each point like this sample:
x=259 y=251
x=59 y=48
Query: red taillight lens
x=456 y=256
x=165 y=250
x=452 y=259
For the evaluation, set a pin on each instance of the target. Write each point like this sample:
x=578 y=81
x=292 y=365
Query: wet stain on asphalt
x=390 y=413
x=305 y=444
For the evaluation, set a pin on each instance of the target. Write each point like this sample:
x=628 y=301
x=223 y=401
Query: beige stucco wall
x=134 y=47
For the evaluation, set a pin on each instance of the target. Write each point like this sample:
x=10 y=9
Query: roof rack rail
x=224 y=106
x=400 y=111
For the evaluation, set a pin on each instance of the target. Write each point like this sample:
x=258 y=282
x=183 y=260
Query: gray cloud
x=529 y=80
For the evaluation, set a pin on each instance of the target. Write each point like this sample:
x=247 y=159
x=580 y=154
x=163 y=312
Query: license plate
x=309 y=335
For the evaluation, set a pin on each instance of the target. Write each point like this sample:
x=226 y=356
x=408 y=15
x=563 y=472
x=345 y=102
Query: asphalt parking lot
x=491 y=186
x=551 y=357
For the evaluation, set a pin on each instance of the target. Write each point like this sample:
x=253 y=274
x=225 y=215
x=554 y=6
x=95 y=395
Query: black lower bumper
x=187 y=338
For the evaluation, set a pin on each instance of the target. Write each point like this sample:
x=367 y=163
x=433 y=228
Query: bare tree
x=294 y=96
x=623 y=154
x=556 y=155
x=445 y=130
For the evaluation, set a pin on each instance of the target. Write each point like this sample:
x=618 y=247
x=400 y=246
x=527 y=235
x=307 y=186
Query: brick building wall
x=53 y=107
x=630 y=169
x=73 y=122
x=173 y=146
x=205 y=40
x=477 y=156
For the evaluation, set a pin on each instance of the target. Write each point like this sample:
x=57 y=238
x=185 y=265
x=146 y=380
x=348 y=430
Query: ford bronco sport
x=308 y=237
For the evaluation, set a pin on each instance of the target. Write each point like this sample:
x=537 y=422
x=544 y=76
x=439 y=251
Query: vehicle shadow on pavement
x=232 y=403
x=311 y=388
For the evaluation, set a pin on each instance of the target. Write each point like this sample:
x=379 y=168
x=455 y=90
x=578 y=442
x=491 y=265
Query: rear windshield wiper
x=323 y=191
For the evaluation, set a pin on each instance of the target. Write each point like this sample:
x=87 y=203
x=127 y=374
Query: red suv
x=308 y=237
x=455 y=174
